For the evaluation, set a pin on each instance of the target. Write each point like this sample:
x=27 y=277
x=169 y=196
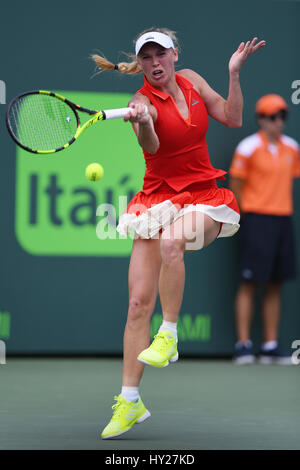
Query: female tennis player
x=180 y=207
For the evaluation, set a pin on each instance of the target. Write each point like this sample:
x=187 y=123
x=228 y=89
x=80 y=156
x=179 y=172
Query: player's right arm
x=143 y=125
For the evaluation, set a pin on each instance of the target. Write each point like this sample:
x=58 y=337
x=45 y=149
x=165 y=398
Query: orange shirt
x=268 y=171
x=182 y=158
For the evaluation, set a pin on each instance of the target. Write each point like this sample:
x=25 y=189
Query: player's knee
x=171 y=250
x=138 y=308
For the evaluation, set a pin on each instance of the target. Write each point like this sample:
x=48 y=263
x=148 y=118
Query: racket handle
x=119 y=113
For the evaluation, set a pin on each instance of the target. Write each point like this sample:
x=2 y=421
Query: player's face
x=157 y=63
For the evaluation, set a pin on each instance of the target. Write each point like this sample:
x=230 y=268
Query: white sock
x=130 y=393
x=269 y=345
x=167 y=325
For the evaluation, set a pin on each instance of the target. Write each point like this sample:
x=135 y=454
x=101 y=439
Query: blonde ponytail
x=123 y=67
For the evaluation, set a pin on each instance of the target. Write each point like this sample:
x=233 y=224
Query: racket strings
x=42 y=122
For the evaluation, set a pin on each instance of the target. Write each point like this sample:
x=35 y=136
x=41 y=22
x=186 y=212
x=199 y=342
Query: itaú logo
x=56 y=205
x=59 y=220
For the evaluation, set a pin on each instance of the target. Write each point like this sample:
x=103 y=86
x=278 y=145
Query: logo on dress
x=194 y=102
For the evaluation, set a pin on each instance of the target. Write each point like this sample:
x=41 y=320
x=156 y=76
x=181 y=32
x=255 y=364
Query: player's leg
x=189 y=233
x=143 y=288
x=144 y=270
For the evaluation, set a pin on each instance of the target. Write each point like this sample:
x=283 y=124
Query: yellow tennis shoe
x=162 y=350
x=125 y=415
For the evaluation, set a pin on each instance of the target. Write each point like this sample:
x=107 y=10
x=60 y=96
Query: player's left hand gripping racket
x=44 y=122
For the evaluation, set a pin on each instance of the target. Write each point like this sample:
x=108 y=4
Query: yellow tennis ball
x=94 y=172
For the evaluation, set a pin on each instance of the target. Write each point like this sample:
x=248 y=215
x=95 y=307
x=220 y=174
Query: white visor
x=159 y=38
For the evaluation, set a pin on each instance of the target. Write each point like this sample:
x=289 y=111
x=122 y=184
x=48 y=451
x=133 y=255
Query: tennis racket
x=44 y=122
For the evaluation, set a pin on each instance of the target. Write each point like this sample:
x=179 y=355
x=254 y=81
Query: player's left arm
x=228 y=112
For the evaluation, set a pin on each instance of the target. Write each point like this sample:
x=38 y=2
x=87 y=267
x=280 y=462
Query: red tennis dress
x=179 y=177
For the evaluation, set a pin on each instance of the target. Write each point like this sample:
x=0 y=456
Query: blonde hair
x=131 y=67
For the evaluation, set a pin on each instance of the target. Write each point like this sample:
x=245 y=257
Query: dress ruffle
x=147 y=215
